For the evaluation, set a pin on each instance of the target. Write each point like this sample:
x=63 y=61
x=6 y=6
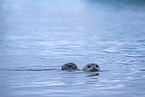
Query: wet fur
x=69 y=66
x=91 y=67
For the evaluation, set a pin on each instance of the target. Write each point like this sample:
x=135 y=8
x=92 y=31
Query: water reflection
x=93 y=75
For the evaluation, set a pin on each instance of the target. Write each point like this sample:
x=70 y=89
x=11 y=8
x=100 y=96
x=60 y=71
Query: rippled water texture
x=38 y=36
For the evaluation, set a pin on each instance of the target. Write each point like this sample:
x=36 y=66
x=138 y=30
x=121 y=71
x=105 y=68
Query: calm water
x=38 y=36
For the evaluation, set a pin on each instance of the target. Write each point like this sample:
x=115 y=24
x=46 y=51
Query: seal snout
x=94 y=68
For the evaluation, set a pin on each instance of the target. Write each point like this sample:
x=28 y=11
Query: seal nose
x=93 y=68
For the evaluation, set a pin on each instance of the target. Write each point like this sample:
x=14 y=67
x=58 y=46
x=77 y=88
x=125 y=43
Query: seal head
x=91 y=67
x=69 y=66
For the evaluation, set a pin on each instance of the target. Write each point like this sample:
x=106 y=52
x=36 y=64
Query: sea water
x=38 y=36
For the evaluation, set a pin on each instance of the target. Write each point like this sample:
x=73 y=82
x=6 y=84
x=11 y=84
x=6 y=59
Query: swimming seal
x=69 y=66
x=91 y=67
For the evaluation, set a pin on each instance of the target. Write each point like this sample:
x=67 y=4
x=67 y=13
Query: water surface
x=38 y=36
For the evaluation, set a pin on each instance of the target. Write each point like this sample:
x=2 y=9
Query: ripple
x=142 y=70
x=50 y=83
x=37 y=84
x=111 y=87
x=135 y=56
x=4 y=69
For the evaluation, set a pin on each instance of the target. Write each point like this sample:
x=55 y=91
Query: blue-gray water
x=38 y=36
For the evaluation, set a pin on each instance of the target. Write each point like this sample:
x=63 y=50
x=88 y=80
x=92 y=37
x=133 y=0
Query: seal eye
x=69 y=66
x=97 y=66
x=89 y=66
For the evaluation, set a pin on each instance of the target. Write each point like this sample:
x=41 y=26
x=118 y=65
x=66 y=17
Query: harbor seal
x=69 y=66
x=91 y=67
